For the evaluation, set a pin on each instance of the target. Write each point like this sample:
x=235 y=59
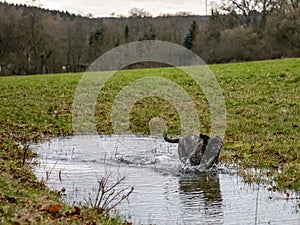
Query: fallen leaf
x=77 y=211
x=54 y=208
x=76 y=217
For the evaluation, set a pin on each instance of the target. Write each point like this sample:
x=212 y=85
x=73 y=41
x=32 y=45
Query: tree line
x=35 y=40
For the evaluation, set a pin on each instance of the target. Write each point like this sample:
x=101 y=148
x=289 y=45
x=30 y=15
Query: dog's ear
x=204 y=137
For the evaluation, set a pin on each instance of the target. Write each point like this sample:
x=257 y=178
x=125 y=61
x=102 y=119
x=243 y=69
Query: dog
x=198 y=149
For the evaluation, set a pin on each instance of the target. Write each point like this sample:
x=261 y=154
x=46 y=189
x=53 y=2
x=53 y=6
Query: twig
x=256 y=207
x=107 y=197
x=48 y=173
x=123 y=198
x=25 y=148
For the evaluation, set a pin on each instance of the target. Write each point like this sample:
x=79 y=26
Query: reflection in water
x=200 y=193
x=164 y=193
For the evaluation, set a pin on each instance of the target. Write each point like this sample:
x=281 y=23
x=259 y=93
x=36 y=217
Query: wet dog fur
x=191 y=148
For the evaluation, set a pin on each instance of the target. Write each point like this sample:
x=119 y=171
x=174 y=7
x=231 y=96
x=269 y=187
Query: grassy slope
x=262 y=100
x=263 y=108
x=33 y=108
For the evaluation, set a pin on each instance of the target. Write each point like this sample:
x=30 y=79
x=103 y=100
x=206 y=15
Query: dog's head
x=198 y=152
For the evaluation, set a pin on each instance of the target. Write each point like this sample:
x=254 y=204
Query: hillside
x=34 y=40
x=38 y=41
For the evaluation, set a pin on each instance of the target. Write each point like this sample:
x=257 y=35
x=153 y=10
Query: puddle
x=164 y=191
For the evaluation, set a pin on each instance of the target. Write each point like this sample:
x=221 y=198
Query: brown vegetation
x=35 y=40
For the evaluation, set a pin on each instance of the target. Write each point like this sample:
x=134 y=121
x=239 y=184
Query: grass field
x=263 y=128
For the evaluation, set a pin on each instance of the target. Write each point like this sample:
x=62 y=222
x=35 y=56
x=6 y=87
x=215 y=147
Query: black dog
x=198 y=149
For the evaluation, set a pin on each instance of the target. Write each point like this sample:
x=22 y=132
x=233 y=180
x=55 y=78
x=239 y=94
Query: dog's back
x=191 y=149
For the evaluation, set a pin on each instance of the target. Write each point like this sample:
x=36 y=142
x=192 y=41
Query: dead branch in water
x=109 y=195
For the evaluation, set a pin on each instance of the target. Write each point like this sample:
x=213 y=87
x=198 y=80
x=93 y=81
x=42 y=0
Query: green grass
x=33 y=108
x=263 y=107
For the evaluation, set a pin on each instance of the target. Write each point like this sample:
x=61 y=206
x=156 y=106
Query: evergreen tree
x=190 y=37
x=126 y=33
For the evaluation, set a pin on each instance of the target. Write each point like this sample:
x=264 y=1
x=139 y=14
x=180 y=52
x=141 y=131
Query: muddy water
x=165 y=191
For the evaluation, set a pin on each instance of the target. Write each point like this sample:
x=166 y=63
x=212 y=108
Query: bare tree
x=291 y=4
x=183 y=13
x=250 y=12
x=139 y=13
x=295 y=3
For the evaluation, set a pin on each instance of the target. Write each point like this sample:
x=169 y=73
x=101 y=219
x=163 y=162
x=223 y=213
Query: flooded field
x=165 y=191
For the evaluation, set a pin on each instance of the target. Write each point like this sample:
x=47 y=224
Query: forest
x=40 y=41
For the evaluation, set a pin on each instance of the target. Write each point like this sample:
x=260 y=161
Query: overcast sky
x=102 y=8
